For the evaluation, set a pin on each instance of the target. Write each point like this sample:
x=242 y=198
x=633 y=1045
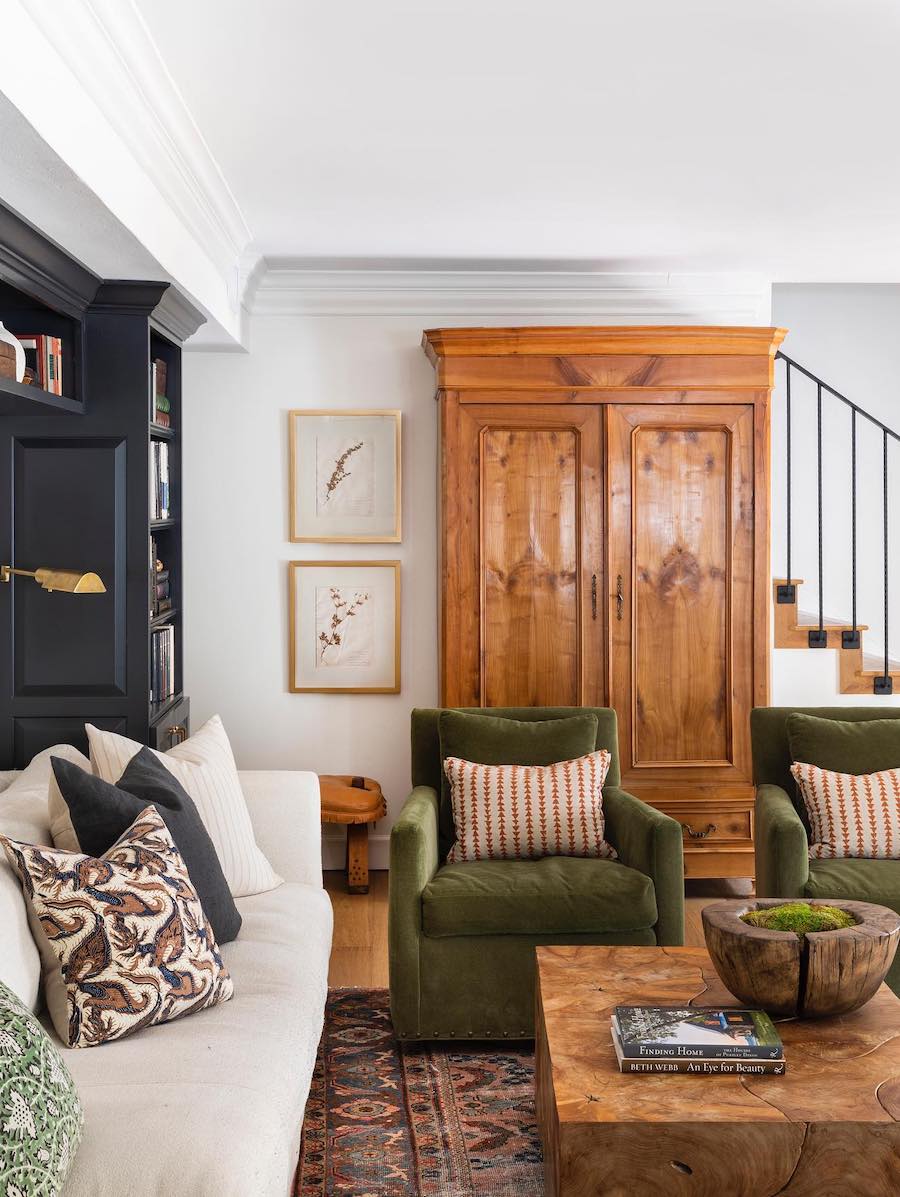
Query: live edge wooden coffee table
x=827 y=1128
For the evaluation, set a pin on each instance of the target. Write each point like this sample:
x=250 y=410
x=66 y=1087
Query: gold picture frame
x=373 y=514
x=376 y=652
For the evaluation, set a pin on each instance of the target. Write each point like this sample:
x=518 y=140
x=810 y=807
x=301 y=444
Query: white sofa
x=211 y=1104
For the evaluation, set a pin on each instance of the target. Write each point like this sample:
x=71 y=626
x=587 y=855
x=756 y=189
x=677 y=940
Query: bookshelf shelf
x=162 y=525
x=164 y=617
x=17 y=399
x=159 y=710
x=162 y=434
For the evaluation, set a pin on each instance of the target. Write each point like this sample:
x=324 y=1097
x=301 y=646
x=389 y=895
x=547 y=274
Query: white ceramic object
x=6 y=335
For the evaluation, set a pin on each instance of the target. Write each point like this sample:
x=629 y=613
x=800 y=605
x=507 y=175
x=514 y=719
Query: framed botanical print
x=345 y=476
x=344 y=627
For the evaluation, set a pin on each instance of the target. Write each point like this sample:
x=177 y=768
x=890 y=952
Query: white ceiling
x=698 y=135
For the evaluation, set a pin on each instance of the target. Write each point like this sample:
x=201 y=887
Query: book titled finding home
x=695 y=1032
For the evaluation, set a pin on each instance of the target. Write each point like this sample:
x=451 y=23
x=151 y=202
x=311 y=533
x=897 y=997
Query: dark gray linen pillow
x=101 y=812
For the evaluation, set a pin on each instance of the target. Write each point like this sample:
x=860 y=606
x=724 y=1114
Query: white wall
x=236 y=543
x=847 y=335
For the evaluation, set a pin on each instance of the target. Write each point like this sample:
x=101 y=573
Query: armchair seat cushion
x=875 y=881
x=555 y=895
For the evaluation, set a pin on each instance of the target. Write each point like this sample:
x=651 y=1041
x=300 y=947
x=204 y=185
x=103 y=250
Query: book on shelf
x=43 y=357
x=694 y=1066
x=160 y=407
x=162 y=663
x=159 y=480
x=695 y=1032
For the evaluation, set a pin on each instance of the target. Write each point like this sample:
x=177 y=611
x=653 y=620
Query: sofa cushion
x=233 y=1079
x=875 y=881
x=88 y=814
x=23 y=816
x=204 y=764
x=491 y=740
x=558 y=894
x=844 y=747
x=123 y=938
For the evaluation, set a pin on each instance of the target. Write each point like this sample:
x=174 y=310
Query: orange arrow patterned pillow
x=851 y=814
x=123 y=938
x=522 y=812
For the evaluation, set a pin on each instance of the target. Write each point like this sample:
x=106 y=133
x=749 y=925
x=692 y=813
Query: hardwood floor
x=359 y=956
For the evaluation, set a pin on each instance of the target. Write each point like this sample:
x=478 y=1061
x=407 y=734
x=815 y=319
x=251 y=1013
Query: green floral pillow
x=40 y=1114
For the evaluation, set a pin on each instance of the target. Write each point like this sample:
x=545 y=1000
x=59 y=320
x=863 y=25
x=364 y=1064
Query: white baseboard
x=334 y=843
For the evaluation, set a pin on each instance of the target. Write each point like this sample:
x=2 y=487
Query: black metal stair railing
x=787 y=591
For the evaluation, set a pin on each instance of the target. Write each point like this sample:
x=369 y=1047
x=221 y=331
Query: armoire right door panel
x=681 y=571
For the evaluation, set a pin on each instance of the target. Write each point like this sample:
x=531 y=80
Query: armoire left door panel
x=522 y=547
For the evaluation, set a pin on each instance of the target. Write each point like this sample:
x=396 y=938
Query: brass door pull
x=593 y=596
x=699 y=835
x=620 y=598
x=177 y=733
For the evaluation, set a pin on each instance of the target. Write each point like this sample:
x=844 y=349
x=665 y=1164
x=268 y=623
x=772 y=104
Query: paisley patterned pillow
x=123 y=937
x=40 y=1114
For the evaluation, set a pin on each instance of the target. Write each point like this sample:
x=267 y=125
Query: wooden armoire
x=604 y=541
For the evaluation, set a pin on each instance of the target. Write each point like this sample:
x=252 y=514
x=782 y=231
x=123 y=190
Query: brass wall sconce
x=72 y=580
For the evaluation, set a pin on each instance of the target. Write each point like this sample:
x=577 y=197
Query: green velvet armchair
x=462 y=936
x=783 y=866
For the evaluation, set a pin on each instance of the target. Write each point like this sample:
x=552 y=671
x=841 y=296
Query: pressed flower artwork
x=345 y=627
x=345 y=476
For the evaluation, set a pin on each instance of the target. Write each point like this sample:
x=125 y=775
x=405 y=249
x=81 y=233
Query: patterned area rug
x=418 y=1120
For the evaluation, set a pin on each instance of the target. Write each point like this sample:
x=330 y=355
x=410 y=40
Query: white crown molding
x=284 y=287
x=110 y=52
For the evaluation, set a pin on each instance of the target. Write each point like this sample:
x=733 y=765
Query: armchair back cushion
x=489 y=740
x=426 y=738
x=772 y=728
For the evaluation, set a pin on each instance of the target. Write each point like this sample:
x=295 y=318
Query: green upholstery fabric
x=782 y=848
x=772 y=758
x=875 y=881
x=481 y=985
x=495 y=740
x=783 y=867
x=866 y=747
x=537 y=897
x=426 y=742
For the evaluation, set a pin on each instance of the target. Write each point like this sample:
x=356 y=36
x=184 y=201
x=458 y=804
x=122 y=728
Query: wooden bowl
x=825 y=972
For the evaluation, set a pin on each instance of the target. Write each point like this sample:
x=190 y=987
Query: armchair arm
x=414 y=861
x=782 y=849
x=651 y=842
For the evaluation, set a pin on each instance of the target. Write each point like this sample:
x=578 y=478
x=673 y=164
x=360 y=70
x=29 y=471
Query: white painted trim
x=334 y=849
x=285 y=287
x=109 y=50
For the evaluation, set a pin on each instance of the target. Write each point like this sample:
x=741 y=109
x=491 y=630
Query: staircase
x=859 y=671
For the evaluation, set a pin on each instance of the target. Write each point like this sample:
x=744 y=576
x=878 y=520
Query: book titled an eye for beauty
x=696 y=1039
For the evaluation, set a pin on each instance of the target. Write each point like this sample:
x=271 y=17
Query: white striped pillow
x=851 y=815
x=522 y=812
x=204 y=764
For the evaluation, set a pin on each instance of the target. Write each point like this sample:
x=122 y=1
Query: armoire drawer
x=702 y=825
x=172 y=728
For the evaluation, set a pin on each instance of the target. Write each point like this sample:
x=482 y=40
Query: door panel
x=681 y=539
x=522 y=559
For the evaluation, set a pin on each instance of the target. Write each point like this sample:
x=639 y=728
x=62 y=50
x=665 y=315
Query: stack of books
x=697 y=1040
x=43 y=361
x=160 y=412
x=159 y=480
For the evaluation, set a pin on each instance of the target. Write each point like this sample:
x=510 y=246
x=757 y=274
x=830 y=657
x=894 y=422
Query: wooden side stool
x=356 y=802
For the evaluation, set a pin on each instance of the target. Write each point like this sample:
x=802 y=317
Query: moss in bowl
x=800 y=918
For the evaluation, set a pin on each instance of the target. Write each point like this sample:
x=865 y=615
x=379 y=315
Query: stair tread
x=810 y=619
x=874 y=663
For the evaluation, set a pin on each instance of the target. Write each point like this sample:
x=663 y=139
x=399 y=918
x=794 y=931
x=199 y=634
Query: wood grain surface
x=828 y=1127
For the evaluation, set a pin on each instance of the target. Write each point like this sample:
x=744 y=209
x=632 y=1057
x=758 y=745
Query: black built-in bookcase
x=74 y=493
